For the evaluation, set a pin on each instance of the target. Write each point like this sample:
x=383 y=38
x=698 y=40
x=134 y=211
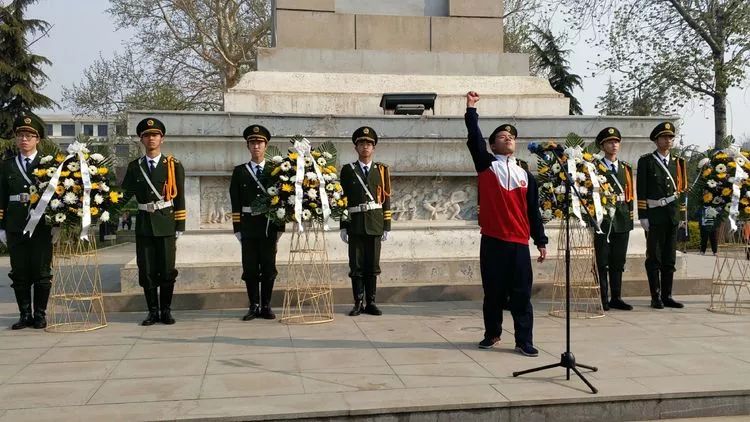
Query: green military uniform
x=30 y=257
x=161 y=216
x=369 y=217
x=661 y=201
x=258 y=236
x=611 y=246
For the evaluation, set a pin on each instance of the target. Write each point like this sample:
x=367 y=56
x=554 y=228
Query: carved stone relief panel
x=216 y=209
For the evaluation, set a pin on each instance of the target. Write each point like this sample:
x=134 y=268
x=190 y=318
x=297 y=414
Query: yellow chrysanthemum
x=315 y=154
x=745 y=201
x=59 y=158
x=707 y=171
x=94 y=211
x=563 y=176
x=558 y=213
x=114 y=197
x=34 y=198
x=103 y=170
x=286 y=187
x=721 y=176
x=59 y=189
x=587 y=156
x=543 y=169
x=95 y=186
x=292 y=155
x=726 y=191
x=340 y=202
x=547 y=205
x=313 y=205
x=65 y=173
x=747 y=210
x=604 y=200
x=77 y=175
x=77 y=188
x=274 y=200
x=40 y=172
x=708 y=197
x=732 y=164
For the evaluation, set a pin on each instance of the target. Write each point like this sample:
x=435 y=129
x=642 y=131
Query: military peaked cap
x=365 y=133
x=150 y=125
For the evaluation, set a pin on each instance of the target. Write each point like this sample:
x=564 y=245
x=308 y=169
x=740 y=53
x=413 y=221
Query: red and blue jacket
x=508 y=194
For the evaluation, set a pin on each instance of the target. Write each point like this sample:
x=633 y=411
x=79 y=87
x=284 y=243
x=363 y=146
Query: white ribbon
x=739 y=176
x=323 y=196
x=75 y=149
x=302 y=147
x=572 y=153
x=595 y=195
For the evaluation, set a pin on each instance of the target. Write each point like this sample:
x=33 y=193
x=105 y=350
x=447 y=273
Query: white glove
x=344 y=235
x=644 y=223
x=3 y=237
x=238 y=235
x=385 y=236
x=177 y=235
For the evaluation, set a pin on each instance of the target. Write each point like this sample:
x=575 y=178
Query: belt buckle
x=150 y=207
x=23 y=198
x=363 y=207
x=663 y=202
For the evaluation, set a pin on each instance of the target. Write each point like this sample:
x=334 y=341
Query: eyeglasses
x=25 y=136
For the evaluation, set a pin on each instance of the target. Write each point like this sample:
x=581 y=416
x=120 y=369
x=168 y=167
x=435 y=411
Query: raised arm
x=475 y=142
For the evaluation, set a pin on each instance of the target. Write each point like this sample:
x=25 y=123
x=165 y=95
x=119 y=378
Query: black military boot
x=23 y=299
x=370 y=289
x=41 y=297
x=654 y=286
x=266 y=291
x=603 y=289
x=667 y=279
x=152 y=303
x=359 y=294
x=253 y=295
x=165 y=296
x=615 y=281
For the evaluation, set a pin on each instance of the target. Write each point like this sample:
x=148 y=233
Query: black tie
x=28 y=163
x=151 y=166
x=664 y=160
x=614 y=168
x=258 y=171
x=367 y=171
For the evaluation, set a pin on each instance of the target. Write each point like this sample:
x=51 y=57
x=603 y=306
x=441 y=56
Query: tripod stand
x=567 y=359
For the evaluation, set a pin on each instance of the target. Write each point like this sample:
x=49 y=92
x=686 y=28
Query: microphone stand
x=567 y=359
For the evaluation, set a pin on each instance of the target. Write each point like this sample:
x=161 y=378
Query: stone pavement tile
x=723 y=344
x=686 y=330
x=424 y=399
x=586 y=350
x=27 y=341
x=8 y=371
x=731 y=327
x=196 y=335
x=252 y=362
x=19 y=396
x=552 y=385
x=629 y=332
x=353 y=380
x=104 y=412
x=253 y=331
x=502 y=364
x=416 y=355
x=137 y=390
x=156 y=350
x=230 y=346
x=160 y=367
x=704 y=363
x=63 y=371
x=690 y=383
x=338 y=329
x=100 y=338
x=20 y=356
x=443 y=374
x=344 y=358
x=84 y=353
x=630 y=366
x=662 y=346
x=251 y=384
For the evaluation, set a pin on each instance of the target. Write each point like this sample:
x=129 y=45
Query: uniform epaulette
x=626 y=164
x=381 y=164
x=646 y=154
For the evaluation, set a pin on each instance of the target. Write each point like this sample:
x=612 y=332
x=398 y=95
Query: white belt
x=656 y=203
x=22 y=198
x=249 y=210
x=365 y=207
x=621 y=197
x=153 y=206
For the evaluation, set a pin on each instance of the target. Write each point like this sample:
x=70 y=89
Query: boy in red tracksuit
x=509 y=215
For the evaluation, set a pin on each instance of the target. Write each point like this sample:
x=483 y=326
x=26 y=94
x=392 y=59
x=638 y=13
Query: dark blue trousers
x=506 y=273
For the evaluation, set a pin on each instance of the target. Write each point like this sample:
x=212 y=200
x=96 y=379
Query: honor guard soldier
x=611 y=246
x=509 y=216
x=661 y=186
x=30 y=256
x=158 y=183
x=256 y=233
x=367 y=189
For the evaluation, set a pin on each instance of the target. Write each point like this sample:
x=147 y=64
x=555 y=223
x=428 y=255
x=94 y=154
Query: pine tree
x=610 y=104
x=551 y=60
x=21 y=74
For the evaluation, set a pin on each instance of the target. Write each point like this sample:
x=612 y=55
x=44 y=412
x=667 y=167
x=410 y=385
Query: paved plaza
x=418 y=357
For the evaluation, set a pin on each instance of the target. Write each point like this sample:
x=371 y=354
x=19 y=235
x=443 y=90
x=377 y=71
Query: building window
x=68 y=130
x=88 y=130
x=122 y=150
x=102 y=130
x=49 y=130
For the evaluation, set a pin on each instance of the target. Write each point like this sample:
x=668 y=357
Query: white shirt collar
x=262 y=164
x=31 y=157
x=363 y=165
x=156 y=159
x=609 y=163
x=663 y=157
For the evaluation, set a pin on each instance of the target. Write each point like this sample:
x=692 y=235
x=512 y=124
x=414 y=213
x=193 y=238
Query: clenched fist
x=471 y=99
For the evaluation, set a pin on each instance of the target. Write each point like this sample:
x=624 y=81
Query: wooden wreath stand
x=730 y=285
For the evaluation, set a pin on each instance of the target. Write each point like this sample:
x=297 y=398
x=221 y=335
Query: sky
x=82 y=30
